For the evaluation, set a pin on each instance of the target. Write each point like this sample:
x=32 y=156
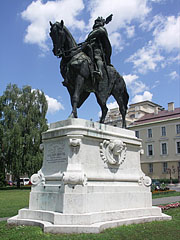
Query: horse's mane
x=70 y=36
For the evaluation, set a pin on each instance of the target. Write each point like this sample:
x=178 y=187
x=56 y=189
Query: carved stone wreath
x=38 y=178
x=113 y=152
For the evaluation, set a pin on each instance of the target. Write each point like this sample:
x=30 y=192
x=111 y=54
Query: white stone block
x=91 y=179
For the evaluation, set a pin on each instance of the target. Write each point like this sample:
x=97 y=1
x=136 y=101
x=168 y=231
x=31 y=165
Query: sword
x=108 y=19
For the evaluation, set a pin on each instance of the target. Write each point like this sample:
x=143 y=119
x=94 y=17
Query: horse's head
x=57 y=35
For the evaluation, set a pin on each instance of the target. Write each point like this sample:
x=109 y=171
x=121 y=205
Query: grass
x=162 y=230
x=13 y=200
x=165 y=194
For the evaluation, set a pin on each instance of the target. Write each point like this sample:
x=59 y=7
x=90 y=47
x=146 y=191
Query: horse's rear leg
x=104 y=109
x=75 y=97
x=117 y=95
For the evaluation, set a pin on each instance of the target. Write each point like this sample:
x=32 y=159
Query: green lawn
x=13 y=200
x=165 y=230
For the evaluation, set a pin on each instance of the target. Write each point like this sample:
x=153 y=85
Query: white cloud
x=123 y=12
x=116 y=41
x=138 y=87
x=145 y=96
x=130 y=78
x=158 y=1
x=155 y=23
x=130 y=31
x=39 y=14
x=112 y=105
x=155 y=84
x=53 y=105
x=168 y=37
x=174 y=75
x=146 y=58
x=165 y=31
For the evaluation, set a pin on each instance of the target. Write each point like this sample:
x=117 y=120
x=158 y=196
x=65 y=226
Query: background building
x=135 y=111
x=159 y=130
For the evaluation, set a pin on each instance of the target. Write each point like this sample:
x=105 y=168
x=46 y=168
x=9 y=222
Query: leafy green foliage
x=22 y=120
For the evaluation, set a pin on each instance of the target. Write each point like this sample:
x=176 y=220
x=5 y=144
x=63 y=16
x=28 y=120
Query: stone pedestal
x=91 y=179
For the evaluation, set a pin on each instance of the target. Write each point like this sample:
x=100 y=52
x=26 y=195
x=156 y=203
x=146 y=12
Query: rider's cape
x=101 y=35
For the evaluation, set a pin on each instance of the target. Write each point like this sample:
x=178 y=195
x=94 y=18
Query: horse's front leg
x=79 y=81
x=104 y=109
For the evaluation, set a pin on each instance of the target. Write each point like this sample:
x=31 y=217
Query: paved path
x=175 y=187
x=164 y=200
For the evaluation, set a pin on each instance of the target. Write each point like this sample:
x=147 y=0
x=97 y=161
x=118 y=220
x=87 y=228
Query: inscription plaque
x=56 y=152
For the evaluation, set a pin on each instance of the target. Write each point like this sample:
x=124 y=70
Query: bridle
x=58 y=42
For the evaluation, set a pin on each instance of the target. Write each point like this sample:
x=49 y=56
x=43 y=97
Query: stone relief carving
x=141 y=151
x=74 y=178
x=113 y=152
x=74 y=142
x=38 y=178
x=145 y=180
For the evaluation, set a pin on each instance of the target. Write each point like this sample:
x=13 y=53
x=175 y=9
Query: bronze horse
x=77 y=70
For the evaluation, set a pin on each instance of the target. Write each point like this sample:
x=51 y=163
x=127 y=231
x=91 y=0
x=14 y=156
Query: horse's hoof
x=71 y=115
x=101 y=121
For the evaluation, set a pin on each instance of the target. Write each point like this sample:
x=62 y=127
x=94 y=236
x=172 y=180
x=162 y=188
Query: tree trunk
x=18 y=183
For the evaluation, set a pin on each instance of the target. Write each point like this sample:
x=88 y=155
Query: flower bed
x=171 y=205
x=162 y=191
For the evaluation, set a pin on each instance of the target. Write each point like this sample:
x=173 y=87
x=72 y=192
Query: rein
x=70 y=50
x=79 y=47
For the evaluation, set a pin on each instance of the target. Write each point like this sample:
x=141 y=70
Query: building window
x=163 y=131
x=164 y=148
x=151 y=167
x=150 y=150
x=149 y=133
x=178 y=147
x=132 y=116
x=178 y=128
x=165 y=166
x=137 y=134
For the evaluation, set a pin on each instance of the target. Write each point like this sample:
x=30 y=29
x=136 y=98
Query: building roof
x=147 y=102
x=162 y=115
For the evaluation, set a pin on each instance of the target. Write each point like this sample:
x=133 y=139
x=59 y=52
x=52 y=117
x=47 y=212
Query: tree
x=23 y=120
x=2 y=162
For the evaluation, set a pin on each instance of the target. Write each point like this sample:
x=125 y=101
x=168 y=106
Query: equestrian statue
x=86 y=67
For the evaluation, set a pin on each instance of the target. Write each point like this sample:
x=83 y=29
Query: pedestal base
x=91 y=179
x=86 y=223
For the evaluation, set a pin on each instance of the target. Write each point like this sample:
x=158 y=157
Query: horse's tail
x=123 y=89
x=125 y=96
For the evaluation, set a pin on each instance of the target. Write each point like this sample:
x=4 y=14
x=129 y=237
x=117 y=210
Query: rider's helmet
x=99 y=22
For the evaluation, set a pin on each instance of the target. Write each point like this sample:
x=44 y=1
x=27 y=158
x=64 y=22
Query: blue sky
x=145 y=37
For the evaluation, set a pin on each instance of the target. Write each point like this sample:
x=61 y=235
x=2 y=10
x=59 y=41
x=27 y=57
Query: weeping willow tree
x=22 y=120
